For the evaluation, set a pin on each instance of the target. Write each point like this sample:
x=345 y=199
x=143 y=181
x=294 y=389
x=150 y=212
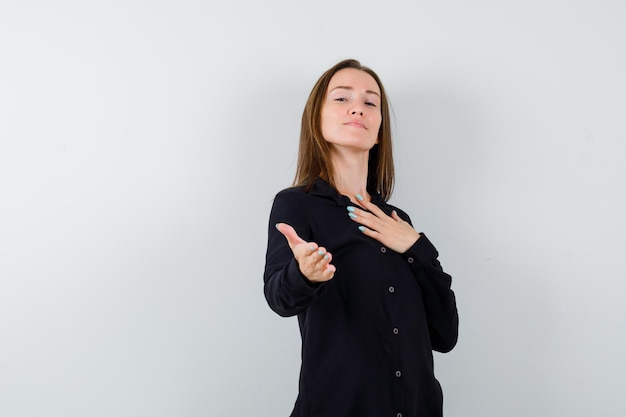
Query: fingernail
x=352 y=215
x=362 y=228
x=359 y=197
x=351 y=209
x=277 y=225
x=320 y=252
x=326 y=256
x=311 y=248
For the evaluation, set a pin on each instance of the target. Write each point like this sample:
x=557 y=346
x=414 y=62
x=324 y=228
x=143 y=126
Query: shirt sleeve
x=438 y=297
x=287 y=291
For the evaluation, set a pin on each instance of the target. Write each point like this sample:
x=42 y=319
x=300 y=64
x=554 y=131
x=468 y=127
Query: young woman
x=371 y=297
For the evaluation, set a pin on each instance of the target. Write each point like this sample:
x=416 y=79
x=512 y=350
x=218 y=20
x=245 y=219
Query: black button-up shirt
x=368 y=333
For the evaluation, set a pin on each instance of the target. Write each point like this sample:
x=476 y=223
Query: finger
x=290 y=233
x=364 y=218
x=370 y=232
x=320 y=258
x=358 y=214
x=329 y=273
x=306 y=254
x=311 y=255
x=325 y=257
x=316 y=266
x=327 y=269
x=373 y=208
x=394 y=215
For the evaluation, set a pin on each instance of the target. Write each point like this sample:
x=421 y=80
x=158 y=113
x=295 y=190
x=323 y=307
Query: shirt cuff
x=422 y=252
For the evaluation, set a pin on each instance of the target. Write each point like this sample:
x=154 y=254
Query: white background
x=142 y=142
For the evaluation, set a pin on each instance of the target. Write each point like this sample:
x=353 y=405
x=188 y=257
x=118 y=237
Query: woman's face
x=351 y=114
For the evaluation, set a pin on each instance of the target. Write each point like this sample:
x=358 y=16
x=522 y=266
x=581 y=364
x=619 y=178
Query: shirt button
x=410 y=260
x=398 y=374
x=383 y=249
x=392 y=290
x=395 y=330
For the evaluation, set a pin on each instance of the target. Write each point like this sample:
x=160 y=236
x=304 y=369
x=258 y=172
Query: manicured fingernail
x=320 y=252
x=362 y=228
x=352 y=215
x=359 y=197
x=311 y=248
x=326 y=256
x=351 y=209
x=277 y=225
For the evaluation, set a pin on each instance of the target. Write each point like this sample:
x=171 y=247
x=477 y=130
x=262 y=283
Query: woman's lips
x=355 y=124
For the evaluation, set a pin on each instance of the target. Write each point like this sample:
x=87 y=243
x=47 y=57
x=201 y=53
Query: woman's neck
x=350 y=173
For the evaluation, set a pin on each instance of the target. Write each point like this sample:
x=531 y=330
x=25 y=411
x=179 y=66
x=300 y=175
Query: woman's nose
x=357 y=112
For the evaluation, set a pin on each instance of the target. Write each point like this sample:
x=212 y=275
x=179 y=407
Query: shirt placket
x=391 y=299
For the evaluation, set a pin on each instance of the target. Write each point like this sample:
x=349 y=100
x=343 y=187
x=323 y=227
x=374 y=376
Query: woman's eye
x=370 y=104
x=341 y=99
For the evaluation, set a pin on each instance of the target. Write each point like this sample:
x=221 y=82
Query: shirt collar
x=323 y=189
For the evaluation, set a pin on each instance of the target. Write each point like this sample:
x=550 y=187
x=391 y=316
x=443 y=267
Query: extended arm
x=294 y=268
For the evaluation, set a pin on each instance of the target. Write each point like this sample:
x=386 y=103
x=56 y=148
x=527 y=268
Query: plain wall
x=142 y=142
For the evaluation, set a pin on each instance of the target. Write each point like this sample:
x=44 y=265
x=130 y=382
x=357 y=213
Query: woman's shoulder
x=294 y=190
x=293 y=193
x=319 y=190
x=291 y=199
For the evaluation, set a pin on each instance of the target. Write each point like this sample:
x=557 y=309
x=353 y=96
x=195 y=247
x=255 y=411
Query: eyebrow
x=350 y=88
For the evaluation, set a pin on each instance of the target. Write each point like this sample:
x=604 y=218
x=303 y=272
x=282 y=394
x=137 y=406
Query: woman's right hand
x=313 y=260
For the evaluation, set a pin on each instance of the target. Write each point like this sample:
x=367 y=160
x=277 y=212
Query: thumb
x=290 y=233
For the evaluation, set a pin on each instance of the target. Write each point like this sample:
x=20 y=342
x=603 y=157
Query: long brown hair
x=314 y=151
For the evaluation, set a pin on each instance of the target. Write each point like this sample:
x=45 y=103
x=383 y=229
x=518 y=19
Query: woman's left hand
x=391 y=231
